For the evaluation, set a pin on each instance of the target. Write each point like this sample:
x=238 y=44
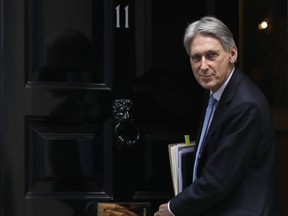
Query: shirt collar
x=218 y=93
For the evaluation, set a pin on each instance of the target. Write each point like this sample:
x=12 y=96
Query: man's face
x=211 y=64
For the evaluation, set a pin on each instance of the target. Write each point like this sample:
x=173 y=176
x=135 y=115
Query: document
x=181 y=157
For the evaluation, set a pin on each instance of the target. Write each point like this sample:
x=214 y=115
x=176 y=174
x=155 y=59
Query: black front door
x=63 y=65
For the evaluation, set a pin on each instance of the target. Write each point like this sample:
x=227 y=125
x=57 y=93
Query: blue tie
x=209 y=111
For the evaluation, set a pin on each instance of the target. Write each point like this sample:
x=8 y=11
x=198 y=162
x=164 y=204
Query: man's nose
x=204 y=64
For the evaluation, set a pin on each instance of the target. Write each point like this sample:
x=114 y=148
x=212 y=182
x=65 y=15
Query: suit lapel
x=224 y=102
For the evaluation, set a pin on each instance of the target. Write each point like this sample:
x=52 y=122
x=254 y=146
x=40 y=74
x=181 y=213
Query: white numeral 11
x=118 y=16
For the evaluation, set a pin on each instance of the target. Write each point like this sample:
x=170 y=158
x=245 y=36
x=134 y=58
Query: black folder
x=187 y=168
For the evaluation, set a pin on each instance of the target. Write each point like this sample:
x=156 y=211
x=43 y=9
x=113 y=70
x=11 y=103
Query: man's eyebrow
x=212 y=51
x=206 y=52
x=196 y=53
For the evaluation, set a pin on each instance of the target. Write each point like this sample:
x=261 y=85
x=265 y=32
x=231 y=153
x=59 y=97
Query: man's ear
x=233 y=55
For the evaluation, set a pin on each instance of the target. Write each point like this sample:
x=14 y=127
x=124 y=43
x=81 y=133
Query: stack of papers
x=181 y=158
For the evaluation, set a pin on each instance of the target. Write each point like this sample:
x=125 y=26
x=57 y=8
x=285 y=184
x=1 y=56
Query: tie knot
x=212 y=100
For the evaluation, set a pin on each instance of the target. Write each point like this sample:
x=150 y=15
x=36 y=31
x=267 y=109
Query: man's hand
x=163 y=211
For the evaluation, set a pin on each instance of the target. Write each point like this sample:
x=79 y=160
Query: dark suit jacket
x=236 y=171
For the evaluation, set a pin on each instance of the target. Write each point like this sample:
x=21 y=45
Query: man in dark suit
x=234 y=166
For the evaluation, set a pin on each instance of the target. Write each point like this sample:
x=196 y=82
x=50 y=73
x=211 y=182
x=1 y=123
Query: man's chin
x=206 y=85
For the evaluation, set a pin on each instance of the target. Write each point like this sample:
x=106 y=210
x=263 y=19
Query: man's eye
x=196 y=58
x=212 y=55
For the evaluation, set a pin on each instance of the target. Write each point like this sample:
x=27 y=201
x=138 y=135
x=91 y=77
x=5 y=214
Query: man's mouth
x=205 y=76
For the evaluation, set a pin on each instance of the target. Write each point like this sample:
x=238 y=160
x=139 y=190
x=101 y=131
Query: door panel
x=69 y=95
x=65 y=41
